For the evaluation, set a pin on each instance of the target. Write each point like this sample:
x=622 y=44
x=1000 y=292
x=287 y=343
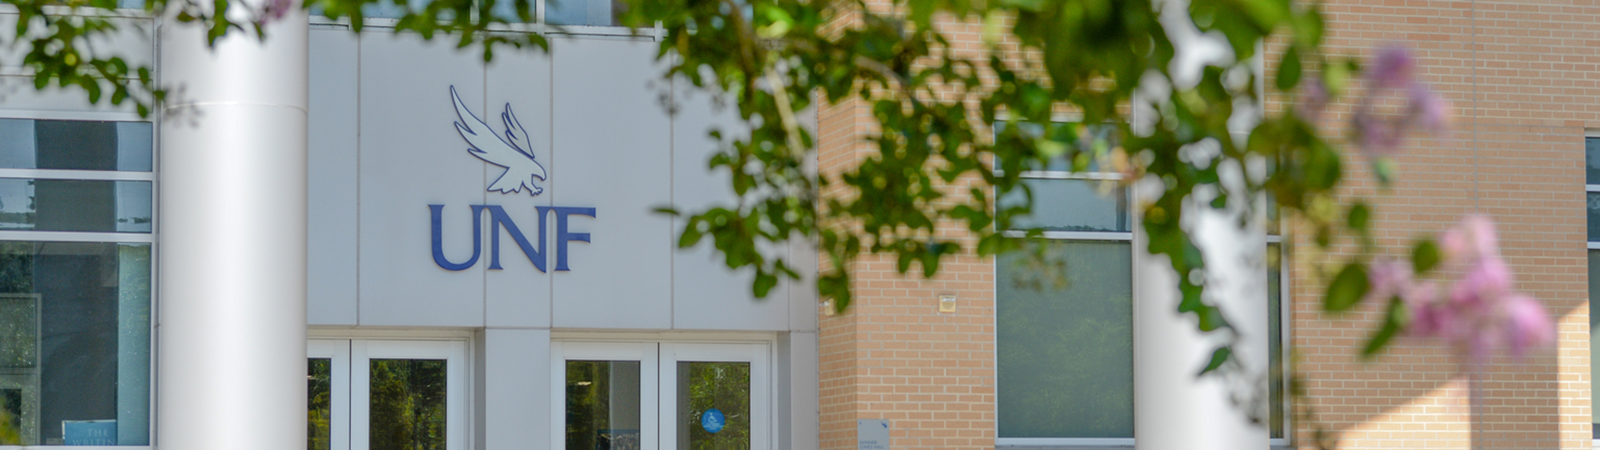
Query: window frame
x=1590 y=246
x=107 y=237
x=537 y=26
x=1285 y=310
x=1101 y=236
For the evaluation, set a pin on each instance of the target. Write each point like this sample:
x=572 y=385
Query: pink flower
x=276 y=9
x=1482 y=311
x=1470 y=241
x=1379 y=133
x=1391 y=68
x=1313 y=99
x=1528 y=325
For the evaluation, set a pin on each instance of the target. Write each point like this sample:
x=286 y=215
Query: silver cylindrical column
x=232 y=263
x=1173 y=409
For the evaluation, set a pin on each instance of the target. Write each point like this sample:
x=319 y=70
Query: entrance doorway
x=384 y=394
x=657 y=396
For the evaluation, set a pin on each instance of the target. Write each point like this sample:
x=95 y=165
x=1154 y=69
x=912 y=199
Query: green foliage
x=408 y=404
x=1347 y=289
x=958 y=124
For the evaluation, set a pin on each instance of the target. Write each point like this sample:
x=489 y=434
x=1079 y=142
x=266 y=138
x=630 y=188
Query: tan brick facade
x=1524 y=79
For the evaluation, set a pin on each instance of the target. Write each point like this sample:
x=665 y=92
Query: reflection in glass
x=1070 y=205
x=74 y=342
x=603 y=405
x=1065 y=355
x=75 y=205
x=75 y=145
x=1594 y=216
x=1275 y=337
x=407 y=399
x=319 y=403
x=582 y=12
x=1594 y=323
x=713 y=396
x=1591 y=149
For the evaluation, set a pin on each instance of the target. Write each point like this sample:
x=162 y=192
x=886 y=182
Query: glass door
x=653 y=396
x=607 y=395
x=719 y=397
x=386 y=395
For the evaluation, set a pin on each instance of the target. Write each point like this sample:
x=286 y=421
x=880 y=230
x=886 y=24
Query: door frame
x=658 y=383
x=350 y=385
x=762 y=407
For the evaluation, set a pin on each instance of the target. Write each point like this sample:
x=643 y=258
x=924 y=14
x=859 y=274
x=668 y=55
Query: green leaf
x=1424 y=256
x=1289 y=69
x=1218 y=357
x=1347 y=288
x=1393 y=322
x=1359 y=216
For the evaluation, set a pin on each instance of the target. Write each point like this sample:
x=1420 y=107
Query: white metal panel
x=519 y=295
x=612 y=150
x=803 y=298
x=411 y=157
x=800 y=391
x=517 y=380
x=706 y=293
x=331 y=217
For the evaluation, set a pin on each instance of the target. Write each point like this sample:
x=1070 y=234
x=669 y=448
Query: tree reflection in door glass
x=603 y=405
x=408 y=404
x=319 y=372
x=722 y=386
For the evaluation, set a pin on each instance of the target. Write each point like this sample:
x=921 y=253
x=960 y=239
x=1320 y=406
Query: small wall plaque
x=872 y=434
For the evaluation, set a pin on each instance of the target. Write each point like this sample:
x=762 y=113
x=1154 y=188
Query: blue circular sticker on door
x=712 y=421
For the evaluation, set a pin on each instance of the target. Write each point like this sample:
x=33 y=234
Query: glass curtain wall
x=75 y=307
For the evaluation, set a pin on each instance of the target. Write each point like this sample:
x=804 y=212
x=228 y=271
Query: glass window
x=603 y=405
x=75 y=205
x=1276 y=385
x=319 y=404
x=1594 y=343
x=713 y=405
x=582 y=12
x=1065 y=355
x=1070 y=205
x=408 y=409
x=75 y=358
x=1591 y=150
x=75 y=145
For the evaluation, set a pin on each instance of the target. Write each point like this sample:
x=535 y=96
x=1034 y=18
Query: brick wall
x=1524 y=77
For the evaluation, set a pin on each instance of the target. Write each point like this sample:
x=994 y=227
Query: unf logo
x=512 y=151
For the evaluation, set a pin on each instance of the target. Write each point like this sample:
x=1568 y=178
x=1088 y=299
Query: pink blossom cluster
x=1479 y=311
x=1393 y=74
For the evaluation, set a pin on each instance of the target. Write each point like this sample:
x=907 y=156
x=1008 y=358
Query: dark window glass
x=75 y=205
x=1070 y=205
x=1065 y=350
x=75 y=353
x=582 y=12
x=1591 y=149
x=75 y=145
x=1594 y=324
x=1275 y=337
x=319 y=403
x=1594 y=216
x=407 y=404
x=603 y=405
x=713 y=405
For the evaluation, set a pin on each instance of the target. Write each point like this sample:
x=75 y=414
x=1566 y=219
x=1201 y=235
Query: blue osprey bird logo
x=511 y=151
